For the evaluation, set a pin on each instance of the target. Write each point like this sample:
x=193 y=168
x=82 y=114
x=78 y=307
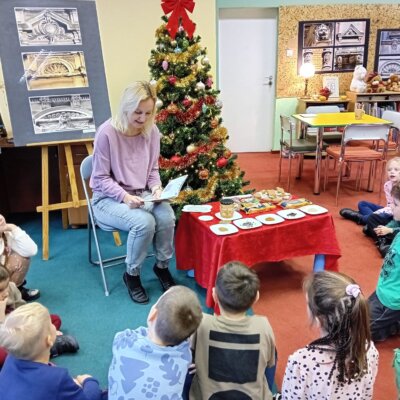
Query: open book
x=172 y=189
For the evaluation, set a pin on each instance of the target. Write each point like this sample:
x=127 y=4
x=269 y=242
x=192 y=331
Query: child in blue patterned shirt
x=152 y=362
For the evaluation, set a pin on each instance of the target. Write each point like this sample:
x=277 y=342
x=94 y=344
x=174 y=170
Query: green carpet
x=71 y=287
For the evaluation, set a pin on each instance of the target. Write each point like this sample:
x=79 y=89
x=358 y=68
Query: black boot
x=64 y=344
x=28 y=294
x=135 y=289
x=352 y=215
x=164 y=277
x=383 y=246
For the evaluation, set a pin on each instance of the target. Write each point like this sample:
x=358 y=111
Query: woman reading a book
x=126 y=185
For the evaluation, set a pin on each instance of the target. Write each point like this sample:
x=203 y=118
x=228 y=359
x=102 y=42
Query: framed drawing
x=334 y=45
x=53 y=71
x=387 y=54
x=332 y=83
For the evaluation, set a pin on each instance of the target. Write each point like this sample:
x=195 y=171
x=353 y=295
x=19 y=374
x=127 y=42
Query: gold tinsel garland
x=180 y=82
x=205 y=194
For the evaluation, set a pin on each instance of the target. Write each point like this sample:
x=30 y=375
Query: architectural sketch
x=54 y=70
x=72 y=112
x=48 y=26
x=388 y=65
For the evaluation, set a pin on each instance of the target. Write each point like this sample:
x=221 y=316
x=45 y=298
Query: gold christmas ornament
x=172 y=108
x=191 y=148
x=203 y=174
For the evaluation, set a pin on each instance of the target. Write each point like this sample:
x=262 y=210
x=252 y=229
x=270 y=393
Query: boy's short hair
x=23 y=331
x=395 y=192
x=178 y=315
x=4 y=274
x=236 y=287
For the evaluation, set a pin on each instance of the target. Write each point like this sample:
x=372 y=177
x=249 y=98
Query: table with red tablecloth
x=198 y=248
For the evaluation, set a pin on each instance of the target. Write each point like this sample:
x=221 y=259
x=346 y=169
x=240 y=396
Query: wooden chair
x=345 y=154
x=292 y=147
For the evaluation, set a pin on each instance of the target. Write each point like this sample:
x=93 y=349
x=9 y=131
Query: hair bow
x=353 y=290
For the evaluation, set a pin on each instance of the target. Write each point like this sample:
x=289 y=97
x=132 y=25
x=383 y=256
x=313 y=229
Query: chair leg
x=280 y=165
x=289 y=172
x=326 y=171
x=339 y=180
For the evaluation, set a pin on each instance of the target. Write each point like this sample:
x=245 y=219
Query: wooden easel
x=64 y=148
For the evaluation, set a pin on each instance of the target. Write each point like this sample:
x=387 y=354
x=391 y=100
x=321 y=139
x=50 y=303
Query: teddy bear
x=393 y=83
x=357 y=84
x=374 y=83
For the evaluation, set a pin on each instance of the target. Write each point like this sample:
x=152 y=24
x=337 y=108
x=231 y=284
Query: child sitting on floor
x=16 y=248
x=343 y=362
x=28 y=335
x=370 y=214
x=152 y=362
x=10 y=299
x=384 y=303
x=233 y=350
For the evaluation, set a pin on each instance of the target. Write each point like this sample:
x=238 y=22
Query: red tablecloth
x=198 y=248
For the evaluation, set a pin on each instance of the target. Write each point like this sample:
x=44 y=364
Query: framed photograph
x=53 y=70
x=332 y=83
x=387 y=54
x=334 y=45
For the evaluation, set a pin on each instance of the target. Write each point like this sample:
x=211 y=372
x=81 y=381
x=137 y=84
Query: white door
x=246 y=76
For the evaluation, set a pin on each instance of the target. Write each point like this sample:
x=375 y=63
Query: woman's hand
x=382 y=230
x=156 y=192
x=133 y=201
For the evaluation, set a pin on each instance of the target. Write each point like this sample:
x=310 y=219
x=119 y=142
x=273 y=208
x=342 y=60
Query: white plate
x=313 y=209
x=291 y=213
x=236 y=215
x=206 y=217
x=247 y=223
x=224 y=229
x=269 y=219
x=196 y=208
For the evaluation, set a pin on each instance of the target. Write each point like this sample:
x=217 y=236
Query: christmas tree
x=193 y=139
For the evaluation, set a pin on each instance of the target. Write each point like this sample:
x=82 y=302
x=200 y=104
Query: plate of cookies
x=270 y=219
x=224 y=229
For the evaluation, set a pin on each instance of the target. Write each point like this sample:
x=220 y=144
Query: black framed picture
x=333 y=46
x=53 y=70
x=387 y=54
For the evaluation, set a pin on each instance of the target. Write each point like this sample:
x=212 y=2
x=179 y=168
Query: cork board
x=289 y=84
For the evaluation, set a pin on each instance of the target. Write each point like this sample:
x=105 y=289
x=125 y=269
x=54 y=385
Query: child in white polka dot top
x=343 y=362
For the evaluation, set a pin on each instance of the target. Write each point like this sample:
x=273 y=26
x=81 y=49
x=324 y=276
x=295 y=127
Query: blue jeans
x=153 y=222
x=366 y=208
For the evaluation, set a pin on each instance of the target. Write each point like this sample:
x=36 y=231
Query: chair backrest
x=366 y=132
x=287 y=126
x=322 y=109
x=86 y=171
x=393 y=117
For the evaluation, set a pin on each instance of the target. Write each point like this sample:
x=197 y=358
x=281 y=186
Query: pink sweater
x=122 y=164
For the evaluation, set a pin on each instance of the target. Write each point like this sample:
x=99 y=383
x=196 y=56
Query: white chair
x=394 y=118
x=376 y=135
x=329 y=134
x=86 y=172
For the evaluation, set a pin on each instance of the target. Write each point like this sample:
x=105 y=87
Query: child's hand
x=80 y=379
x=192 y=369
x=382 y=230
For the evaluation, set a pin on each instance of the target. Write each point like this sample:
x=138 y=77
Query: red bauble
x=172 y=79
x=187 y=102
x=176 y=159
x=221 y=162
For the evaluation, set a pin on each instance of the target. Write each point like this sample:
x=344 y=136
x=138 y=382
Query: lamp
x=307 y=71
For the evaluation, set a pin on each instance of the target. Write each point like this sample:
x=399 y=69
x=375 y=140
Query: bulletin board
x=53 y=70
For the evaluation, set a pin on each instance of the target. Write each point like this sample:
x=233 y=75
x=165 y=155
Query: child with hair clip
x=343 y=362
x=28 y=335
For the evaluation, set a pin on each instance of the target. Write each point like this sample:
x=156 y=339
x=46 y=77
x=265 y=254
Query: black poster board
x=53 y=69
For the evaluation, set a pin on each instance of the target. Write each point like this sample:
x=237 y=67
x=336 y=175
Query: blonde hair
x=130 y=100
x=392 y=161
x=24 y=329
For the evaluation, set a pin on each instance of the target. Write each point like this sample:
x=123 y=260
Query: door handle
x=268 y=81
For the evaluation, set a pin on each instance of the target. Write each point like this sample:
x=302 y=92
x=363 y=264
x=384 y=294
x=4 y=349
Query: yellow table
x=325 y=120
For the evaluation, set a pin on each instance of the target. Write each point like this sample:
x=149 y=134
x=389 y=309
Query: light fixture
x=307 y=71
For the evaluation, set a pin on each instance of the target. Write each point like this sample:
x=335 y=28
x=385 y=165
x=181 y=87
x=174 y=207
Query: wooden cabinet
x=375 y=103
x=303 y=104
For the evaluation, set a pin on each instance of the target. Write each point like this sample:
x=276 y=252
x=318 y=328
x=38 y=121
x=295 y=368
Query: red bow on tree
x=178 y=9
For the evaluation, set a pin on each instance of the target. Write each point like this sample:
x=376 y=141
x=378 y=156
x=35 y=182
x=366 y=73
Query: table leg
x=318 y=159
x=371 y=176
x=319 y=262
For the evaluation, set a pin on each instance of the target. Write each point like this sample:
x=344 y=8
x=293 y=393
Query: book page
x=172 y=189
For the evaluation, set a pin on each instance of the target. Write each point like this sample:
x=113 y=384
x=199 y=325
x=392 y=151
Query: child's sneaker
x=64 y=344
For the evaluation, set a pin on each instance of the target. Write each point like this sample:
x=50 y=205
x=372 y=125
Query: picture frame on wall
x=387 y=54
x=332 y=83
x=333 y=45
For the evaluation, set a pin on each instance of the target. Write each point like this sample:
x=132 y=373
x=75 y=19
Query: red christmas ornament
x=221 y=162
x=176 y=159
x=203 y=174
x=187 y=102
x=172 y=79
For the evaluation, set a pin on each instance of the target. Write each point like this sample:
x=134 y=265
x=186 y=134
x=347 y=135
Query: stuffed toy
x=357 y=84
x=374 y=83
x=393 y=83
